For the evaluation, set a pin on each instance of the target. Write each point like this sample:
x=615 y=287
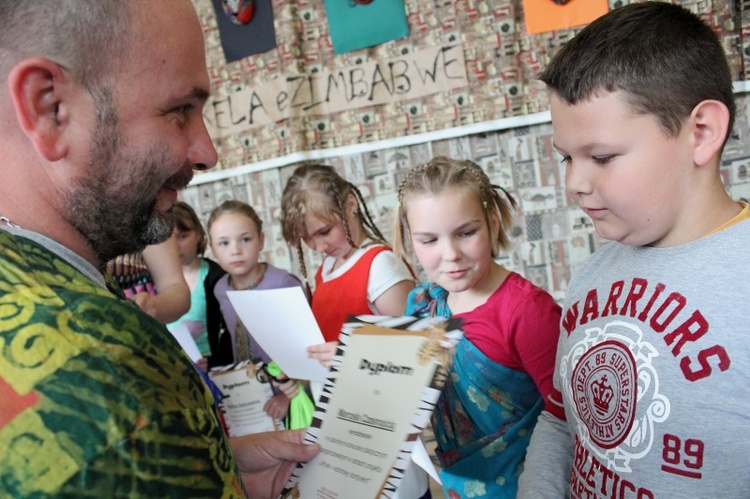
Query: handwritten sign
x=414 y=75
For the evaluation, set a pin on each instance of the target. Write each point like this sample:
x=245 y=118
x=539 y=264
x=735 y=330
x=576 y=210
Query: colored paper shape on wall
x=356 y=24
x=546 y=15
x=242 y=40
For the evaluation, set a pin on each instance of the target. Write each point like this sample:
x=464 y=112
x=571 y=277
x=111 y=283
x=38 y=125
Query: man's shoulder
x=26 y=262
x=46 y=290
x=17 y=250
x=28 y=268
x=32 y=250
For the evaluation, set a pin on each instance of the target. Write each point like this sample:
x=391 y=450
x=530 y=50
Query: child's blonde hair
x=320 y=190
x=234 y=206
x=443 y=173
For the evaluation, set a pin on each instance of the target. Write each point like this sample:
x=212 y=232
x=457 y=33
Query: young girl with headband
x=455 y=221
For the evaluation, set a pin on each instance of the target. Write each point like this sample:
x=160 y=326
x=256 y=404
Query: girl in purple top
x=236 y=234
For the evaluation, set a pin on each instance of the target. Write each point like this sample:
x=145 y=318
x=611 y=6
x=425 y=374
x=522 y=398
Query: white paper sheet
x=422 y=459
x=186 y=341
x=282 y=323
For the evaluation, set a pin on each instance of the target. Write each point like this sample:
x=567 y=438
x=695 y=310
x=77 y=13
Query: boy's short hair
x=664 y=58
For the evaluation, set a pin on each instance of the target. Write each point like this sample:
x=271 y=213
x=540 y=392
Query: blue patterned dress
x=484 y=417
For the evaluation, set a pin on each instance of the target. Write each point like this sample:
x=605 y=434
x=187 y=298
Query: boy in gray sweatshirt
x=653 y=359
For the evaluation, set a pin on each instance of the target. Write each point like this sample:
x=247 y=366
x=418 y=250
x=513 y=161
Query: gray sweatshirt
x=653 y=364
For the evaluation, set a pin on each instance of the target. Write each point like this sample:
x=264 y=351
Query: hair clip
x=398 y=204
x=484 y=203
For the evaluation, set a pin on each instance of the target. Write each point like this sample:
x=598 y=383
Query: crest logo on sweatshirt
x=615 y=390
x=605 y=392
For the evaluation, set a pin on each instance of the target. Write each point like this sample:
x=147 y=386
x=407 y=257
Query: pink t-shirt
x=518 y=327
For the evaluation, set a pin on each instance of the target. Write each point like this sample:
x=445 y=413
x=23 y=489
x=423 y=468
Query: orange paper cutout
x=545 y=15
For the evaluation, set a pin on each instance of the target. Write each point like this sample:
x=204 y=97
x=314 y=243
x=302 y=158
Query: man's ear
x=35 y=88
x=710 y=120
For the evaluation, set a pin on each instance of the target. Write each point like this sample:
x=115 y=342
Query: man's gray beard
x=109 y=205
x=111 y=230
x=156 y=229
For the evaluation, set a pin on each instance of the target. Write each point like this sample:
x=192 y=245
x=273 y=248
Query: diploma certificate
x=243 y=400
x=382 y=389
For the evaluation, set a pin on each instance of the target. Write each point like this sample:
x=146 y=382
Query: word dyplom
x=413 y=75
x=378 y=367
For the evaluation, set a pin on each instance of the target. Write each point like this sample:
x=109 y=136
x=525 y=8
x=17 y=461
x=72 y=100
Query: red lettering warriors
x=662 y=313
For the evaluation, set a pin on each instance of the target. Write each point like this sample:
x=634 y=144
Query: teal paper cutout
x=354 y=26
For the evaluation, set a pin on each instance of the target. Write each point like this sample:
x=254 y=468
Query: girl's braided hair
x=442 y=173
x=320 y=190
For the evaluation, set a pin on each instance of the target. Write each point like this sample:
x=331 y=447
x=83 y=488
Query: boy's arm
x=549 y=460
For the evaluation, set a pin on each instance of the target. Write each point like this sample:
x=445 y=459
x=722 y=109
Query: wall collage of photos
x=550 y=236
